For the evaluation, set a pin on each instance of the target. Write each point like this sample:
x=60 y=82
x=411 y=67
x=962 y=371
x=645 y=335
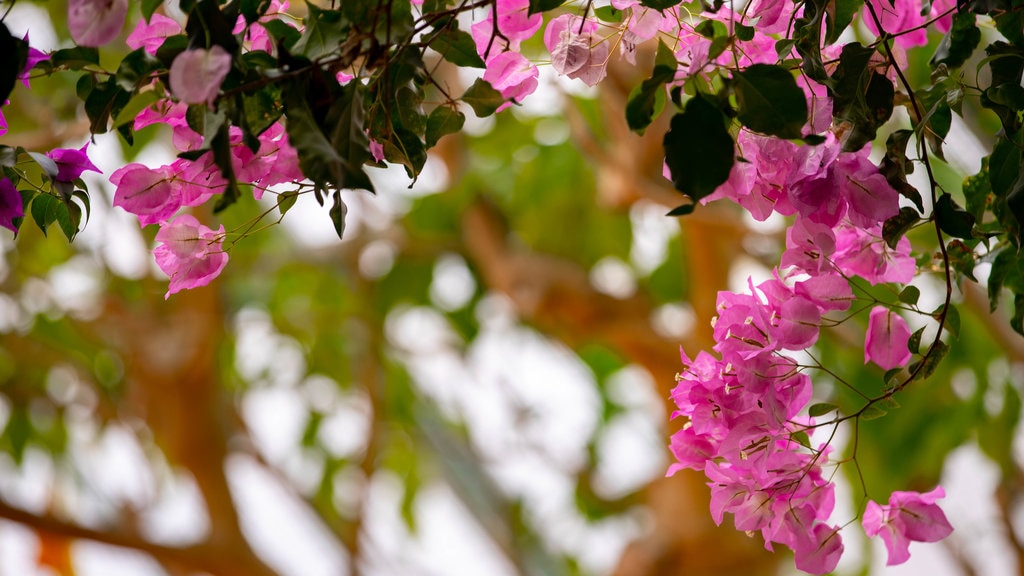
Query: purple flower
x=10 y=204
x=71 y=163
x=909 y=517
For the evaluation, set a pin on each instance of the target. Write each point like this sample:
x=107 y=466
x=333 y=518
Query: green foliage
x=698 y=149
x=769 y=101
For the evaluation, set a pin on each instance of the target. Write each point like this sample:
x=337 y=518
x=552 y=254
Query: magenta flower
x=886 y=341
x=511 y=74
x=196 y=75
x=191 y=254
x=96 y=22
x=909 y=517
x=151 y=35
x=34 y=57
x=145 y=192
x=10 y=204
x=71 y=163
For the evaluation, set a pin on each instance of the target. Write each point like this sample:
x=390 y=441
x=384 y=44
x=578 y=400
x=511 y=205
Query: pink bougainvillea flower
x=196 y=75
x=887 y=337
x=909 y=517
x=580 y=56
x=511 y=74
x=96 y=22
x=151 y=35
x=189 y=253
x=901 y=17
x=10 y=204
x=71 y=163
x=145 y=192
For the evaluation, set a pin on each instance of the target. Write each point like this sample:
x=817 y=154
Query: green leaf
x=894 y=228
x=348 y=136
x=699 y=151
x=325 y=31
x=872 y=412
x=45 y=210
x=959 y=43
x=681 y=210
x=75 y=58
x=961 y=258
x=69 y=220
x=659 y=4
x=483 y=98
x=441 y=122
x=136 y=105
x=135 y=69
x=1017 y=320
x=976 y=190
x=860 y=96
x=1003 y=167
x=820 y=409
x=537 y=6
x=952 y=319
x=953 y=219
x=457 y=47
x=647 y=100
x=149 y=7
x=285 y=201
x=839 y=17
x=910 y=294
x=407 y=112
x=338 y=212
x=914 y=343
x=769 y=101
x=930 y=362
x=608 y=14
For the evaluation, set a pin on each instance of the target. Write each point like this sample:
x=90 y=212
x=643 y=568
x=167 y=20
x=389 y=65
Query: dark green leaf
x=45 y=210
x=1003 y=167
x=75 y=58
x=408 y=150
x=976 y=190
x=682 y=210
x=537 y=6
x=1017 y=320
x=208 y=25
x=171 y=48
x=769 y=101
x=959 y=43
x=69 y=220
x=457 y=47
x=952 y=318
x=13 y=62
x=910 y=294
x=659 y=4
x=149 y=7
x=961 y=258
x=895 y=227
x=930 y=362
x=838 y=18
x=407 y=112
x=441 y=122
x=136 y=105
x=348 y=136
x=914 y=343
x=324 y=33
x=282 y=33
x=861 y=97
x=820 y=409
x=483 y=98
x=744 y=33
x=338 y=212
x=953 y=219
x=699 y=151
x=252 y=10
x=1007 y=269
x=647 y=100
x=895 y=166
x=135 y=69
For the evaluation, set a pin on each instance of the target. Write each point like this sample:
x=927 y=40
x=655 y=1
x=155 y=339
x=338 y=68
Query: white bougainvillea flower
x=96 y=22
x=196 y=75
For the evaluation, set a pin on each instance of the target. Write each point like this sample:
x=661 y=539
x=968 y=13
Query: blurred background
x=474 y=382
